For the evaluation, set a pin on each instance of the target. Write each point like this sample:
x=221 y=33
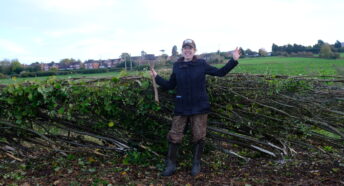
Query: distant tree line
x=324 y=50
x=321 y=49
x=14 y=67
x=9 y=68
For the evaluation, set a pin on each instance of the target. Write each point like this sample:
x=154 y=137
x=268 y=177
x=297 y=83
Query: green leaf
x=30 y=96
x=61 y=111
x=111 y=124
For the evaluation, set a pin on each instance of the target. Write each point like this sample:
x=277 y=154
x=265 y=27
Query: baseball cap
x=189 y=42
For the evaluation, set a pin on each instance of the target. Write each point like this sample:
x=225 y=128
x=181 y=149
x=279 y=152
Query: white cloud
x=73 y=7
x=38 y=41
x=76 y=30
x=86 y=29
x=11 y=48
x=247 y=23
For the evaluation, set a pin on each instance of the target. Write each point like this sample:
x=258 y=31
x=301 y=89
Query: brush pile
x=251 y=115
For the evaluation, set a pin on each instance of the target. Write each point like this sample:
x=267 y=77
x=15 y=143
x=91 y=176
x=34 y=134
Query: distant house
x=53 y=65
x=75 y=65
x=342 y=44
x=44 y=67
x=103 y=64
x=63 y=66
x=109 y=63
x=70 y=66
x=49 y=66
x=149 y=57
x=207 y=56
x=146 y=59
x=91 y=64
x=115 y=61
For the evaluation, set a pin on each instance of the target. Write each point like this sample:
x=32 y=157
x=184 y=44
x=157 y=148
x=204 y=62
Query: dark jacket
x=189 y=79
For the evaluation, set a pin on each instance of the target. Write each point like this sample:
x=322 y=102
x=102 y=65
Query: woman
x=191 y=102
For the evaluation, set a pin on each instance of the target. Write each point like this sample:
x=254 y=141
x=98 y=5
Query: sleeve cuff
x=157 y=79
x=231 y=60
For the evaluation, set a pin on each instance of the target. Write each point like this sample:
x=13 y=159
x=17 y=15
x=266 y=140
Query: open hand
x=153 y=72
x=236 y=54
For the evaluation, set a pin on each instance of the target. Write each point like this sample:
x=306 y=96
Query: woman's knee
x=174 y=137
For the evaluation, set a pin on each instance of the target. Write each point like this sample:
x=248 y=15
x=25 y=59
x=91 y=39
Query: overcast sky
x=50 y=30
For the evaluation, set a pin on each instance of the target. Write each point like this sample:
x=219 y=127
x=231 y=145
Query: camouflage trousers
x=198 y=124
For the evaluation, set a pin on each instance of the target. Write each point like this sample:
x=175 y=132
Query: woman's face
x=188 y=52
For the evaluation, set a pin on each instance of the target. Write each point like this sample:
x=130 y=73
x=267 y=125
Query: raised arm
x=225 y=69
x=210 y=70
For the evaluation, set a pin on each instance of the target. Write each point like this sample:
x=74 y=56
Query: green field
x=262 y=65
x=290 y=66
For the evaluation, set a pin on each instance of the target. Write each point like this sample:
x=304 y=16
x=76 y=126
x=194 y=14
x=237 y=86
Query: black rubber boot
x=171 y=160
x=196 y=161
